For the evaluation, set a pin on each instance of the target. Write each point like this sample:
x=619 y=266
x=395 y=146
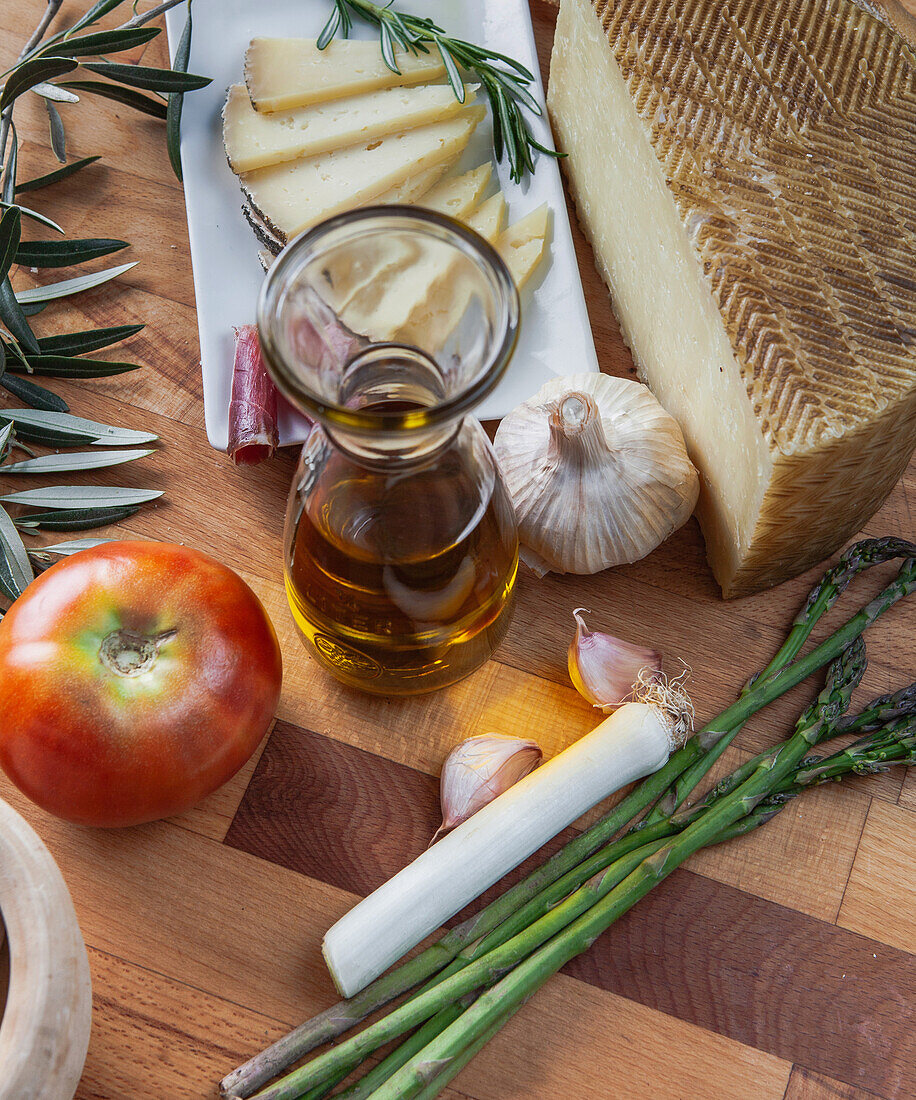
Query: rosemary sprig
x=505 y=81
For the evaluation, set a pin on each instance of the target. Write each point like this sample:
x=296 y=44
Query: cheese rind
x=255 y=140
x=750 y=199
x=282 y=73
x=291 y=197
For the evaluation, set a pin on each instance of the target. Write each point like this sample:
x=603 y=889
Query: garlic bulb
x=606 y=670
x=598 y=473
x=478 y=770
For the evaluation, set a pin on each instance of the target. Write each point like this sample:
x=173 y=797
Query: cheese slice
x=282 y=73
x=457 y=196
x=254 y=140
x=291 y=197
x=522 y=245
x=745 y=174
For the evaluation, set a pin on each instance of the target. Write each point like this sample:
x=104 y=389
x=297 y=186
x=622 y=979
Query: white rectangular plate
x=555 y=336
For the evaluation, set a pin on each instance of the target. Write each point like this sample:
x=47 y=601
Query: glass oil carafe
x=387 y=326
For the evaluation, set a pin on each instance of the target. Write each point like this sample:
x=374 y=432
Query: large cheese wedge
x=256 y=140
x=745 y=171
x=522 y=245
x=291 y=197
x=292 y=72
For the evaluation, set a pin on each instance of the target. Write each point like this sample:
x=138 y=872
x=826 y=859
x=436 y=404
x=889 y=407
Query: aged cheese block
x=746 y=172
x=256 y=140
x=291 y=197
x=292 y=72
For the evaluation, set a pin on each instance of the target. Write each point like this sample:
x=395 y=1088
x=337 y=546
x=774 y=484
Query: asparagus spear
x=769 y=684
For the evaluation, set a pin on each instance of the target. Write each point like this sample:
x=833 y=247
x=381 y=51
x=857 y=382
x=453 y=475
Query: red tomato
x=135 y=678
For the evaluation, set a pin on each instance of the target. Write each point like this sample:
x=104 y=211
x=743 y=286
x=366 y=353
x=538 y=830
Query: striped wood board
x=777 y=966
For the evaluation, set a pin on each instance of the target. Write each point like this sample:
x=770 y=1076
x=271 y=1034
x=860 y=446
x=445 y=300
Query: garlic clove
x=478 y=770
x=605 y=670
x=598 y=473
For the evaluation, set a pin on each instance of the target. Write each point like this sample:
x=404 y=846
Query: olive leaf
x=74 y=546
x=58 y=134
x=10 y=230
x=70 y=496
x=70 y=286
x=56 y=176
x=72 y=461
x=127 y=96
x=12 y=315
x=8 y=183
x=123 y=38
x=69 y=366
x=33 y=214
x=36 y=396
x=52 y=92
x=6 y=439
x=65 y=253
x=78 y=343
x=100 y=8
x=31 y=425
x=151 y=80
x=29 y=309
x=75 y=519
x=16 y=572
x=176 y=99
x=30 y=73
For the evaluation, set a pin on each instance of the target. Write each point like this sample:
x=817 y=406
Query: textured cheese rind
x=255 y=140
x=282 y=73
x=523 y=244
x=756 y=228
x=291 y=197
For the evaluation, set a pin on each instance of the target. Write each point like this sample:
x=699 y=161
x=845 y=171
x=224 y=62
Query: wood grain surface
x=776 y=967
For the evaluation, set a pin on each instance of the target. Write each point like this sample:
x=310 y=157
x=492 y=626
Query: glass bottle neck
x=394 y=448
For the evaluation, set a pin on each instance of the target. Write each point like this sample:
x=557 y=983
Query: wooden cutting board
x=775 y=966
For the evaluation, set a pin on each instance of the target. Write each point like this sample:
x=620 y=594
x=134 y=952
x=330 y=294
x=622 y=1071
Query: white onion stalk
x=633 y=742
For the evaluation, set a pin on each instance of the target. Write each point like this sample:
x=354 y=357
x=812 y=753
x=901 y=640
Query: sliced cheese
x=291 y=197
x=292 y=72
x=489 y=219
x=522 y=245
x=745 y=174
x=457 y=196
x=256 y=140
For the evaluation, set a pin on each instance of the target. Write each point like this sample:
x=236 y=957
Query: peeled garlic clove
x=478 y=770
x=598 y=473
x=605 y=669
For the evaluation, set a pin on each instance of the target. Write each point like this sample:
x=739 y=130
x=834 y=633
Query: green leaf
x=58 y=134
x=151 y=80
x=72 y=461
x=86 y=45
x=100 y=8
x=69 y=366
x=176 y=99
x=451 y=69
x=329 y=29
x=12 y=316
x=29 y=309
x=65 y=253
x=36 y=396
x=73 y=547
x=28 y=421
x=55 y=94
x=127 y=96
x=387 y=44
x=16 y=572
x=10 y=230
x=76 y=519
x=56 y=176
x=78 y=343
x=72 y=496
x=30 y=73
x=8 y=188
x=71 y=286
x=33 y=214
x=5 y=440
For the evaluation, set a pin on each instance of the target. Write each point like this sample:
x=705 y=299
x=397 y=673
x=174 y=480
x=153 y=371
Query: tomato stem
x=129 y=653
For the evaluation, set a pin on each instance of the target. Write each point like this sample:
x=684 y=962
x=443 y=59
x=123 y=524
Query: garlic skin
x=478 y=770
x=598 y=473
x=606 y=670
